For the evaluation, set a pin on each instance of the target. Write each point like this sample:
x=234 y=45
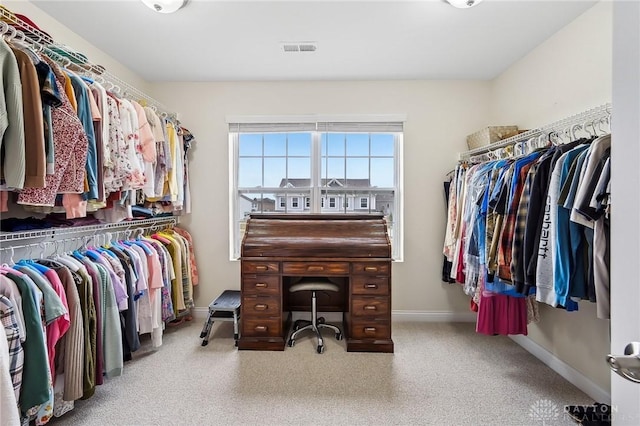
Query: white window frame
x=282 y=124
x=295 y=202
x=366 y=203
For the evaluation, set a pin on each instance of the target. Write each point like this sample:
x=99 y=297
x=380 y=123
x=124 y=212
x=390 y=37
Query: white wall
x=567 y=74
x=439 y=115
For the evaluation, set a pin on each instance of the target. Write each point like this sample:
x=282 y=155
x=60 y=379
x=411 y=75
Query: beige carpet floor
x=440 y=374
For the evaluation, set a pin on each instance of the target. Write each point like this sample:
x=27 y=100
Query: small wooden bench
x=225 y=307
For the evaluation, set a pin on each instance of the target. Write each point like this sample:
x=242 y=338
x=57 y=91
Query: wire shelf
x=57 y=234
x=598 y=112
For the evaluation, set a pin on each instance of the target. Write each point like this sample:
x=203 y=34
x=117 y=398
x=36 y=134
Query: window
x=355 y=166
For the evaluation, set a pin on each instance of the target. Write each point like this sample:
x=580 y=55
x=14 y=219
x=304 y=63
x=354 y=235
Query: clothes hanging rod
x=62 y=232
x=598 y=112
x=70 y=58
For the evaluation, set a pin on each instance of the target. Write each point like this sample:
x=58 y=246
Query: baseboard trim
x=425 y=316
x=572 y=375
x=200 y=313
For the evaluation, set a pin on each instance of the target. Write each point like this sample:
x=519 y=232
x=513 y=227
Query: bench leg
x=236 y=333
x=206 y=330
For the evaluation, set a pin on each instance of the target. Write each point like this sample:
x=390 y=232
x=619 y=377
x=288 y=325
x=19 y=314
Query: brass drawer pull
x=261 y=307
x=261 y=328
x=369 y=308
x=371 y=269
x=370 y=330
x=372 y=286
x=261 y=268
x=261 y=285
x=315 y=268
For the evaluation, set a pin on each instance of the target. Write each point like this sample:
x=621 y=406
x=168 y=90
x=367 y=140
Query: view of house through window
x=345 y=168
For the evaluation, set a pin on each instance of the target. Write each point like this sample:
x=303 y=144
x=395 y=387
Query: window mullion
x=316 y=170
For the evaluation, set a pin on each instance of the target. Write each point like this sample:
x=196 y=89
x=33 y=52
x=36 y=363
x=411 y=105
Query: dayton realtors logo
x=544 y=411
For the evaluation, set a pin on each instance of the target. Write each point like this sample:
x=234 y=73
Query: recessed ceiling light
x=165 y=6
x=463 y=4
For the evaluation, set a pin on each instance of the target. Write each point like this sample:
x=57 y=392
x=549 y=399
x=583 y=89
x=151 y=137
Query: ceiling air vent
x=299 y=46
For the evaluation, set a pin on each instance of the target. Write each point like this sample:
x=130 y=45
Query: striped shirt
x=16 y=353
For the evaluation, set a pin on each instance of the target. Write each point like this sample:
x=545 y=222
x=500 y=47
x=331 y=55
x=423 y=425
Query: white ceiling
x=357 y=40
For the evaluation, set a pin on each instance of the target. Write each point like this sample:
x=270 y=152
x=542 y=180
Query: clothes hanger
x=10 y=34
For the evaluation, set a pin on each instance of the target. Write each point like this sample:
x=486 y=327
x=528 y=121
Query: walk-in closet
x=311 y=212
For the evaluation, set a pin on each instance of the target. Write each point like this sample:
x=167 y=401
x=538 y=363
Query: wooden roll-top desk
x=351 y=250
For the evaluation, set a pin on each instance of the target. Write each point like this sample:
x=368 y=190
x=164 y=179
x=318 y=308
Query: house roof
x=331 y=182
x=265 y=199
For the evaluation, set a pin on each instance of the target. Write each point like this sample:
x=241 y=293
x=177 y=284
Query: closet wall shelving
x=598 y=116
x=17 y=243
x=69 y=232
x=66 y=56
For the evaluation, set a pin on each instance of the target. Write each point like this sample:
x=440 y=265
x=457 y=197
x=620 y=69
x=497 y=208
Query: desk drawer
x=251 y=267
x=261 y=284
x=370 y=330
x=372 y=268
x=315 y=268
x=362 y=284
x=370 y=306
x=261 y=327
x=259 y=305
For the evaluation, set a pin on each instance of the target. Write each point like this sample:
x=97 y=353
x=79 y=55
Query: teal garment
x=111 y=327
x=50 y=99
x=53 y=306
x=566 y=267
x=35 y=383
x=84 y=113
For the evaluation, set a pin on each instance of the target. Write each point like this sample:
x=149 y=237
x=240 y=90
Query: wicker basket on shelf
x=489 y=135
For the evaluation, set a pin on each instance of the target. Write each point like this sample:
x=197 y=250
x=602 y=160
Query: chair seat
x=314 y=285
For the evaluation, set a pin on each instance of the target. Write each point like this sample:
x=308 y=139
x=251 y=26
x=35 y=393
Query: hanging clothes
x=77 y=148
x=80 y=315
x=521 y=231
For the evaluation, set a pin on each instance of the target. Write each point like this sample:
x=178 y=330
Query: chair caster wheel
x=320 y=349
x=203 y=334
x=236 y=344
x=321 y=320
x=205 y=342
x=338 y=336
x=290 y=343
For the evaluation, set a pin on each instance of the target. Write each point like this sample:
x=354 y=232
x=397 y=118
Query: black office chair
x=313 y=285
